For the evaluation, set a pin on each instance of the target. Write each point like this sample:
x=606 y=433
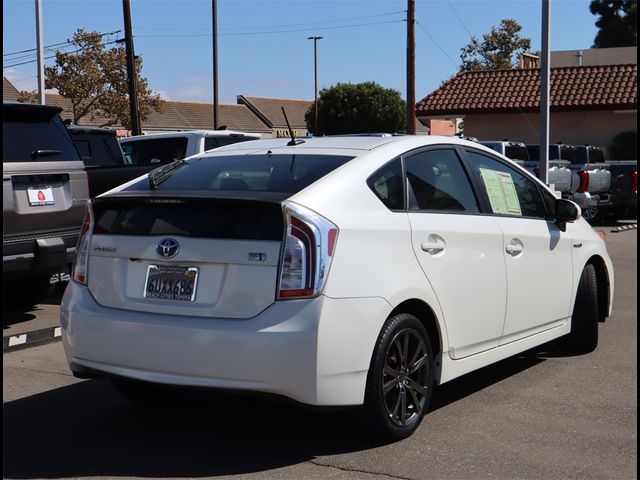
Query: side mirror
x=566 y=211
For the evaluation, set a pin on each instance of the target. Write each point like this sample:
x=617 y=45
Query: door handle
x=515 y=247
x=433 y=245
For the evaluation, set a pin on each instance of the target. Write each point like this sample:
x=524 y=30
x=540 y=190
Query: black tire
x=584 y=320
x=400 y=381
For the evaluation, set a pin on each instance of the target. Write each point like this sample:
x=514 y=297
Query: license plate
x=40 y=196
x=167 y=282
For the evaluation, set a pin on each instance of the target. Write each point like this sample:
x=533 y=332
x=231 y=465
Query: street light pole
x=315 y=64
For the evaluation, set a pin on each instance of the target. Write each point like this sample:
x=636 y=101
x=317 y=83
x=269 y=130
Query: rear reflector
x=634 y=181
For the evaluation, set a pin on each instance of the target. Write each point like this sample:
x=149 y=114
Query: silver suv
x=44 y=196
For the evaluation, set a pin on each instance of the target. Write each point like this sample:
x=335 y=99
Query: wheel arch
x=603 y=282
x=423 y=312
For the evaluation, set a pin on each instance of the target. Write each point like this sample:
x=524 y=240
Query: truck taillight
x=308 y=250
x=634 y=181
x=584 y=181
x=81 y=260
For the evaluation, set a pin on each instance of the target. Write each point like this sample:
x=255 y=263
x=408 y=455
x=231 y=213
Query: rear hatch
x=200 y=237
x=207 y=257
x=44 y=184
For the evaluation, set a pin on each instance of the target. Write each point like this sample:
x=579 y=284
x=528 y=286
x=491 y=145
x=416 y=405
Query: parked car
x=44 y=195
x=159 y=148
x=103 y=158
x=358 y=270
x=591 y=177
x=559 y=175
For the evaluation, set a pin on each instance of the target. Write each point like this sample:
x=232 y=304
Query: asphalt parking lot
x=543 y=414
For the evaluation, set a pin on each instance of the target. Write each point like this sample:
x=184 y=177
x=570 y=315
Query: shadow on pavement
x=87 y=429
x=19 y=311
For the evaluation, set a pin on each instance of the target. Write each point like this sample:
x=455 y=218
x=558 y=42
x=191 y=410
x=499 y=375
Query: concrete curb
x=30 y=339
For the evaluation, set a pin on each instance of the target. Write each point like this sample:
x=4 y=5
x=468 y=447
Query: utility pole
x=40 y=45
x=411 y=67
x=214 y=18
x=545 y=80
x=131 y=70
x=315 y=69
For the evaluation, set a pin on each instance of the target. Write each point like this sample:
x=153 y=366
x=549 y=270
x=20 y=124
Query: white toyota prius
x=348 y=270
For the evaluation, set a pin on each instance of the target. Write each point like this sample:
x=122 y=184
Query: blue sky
x=263 y=48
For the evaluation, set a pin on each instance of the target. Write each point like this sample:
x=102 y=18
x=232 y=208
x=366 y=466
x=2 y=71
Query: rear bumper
x=34 y=255
x=315 y=351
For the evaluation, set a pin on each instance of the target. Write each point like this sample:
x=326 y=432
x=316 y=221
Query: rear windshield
x=97 y=149
x=516 y=152
x=154 y=150
x=215 y=142
x=572 y=154
x=288 y=173
x=35 y=134
x=596 y=155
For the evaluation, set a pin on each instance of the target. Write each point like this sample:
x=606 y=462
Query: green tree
x=499 y=50
x=94 y=79
x=617 y=23
x=358 y=108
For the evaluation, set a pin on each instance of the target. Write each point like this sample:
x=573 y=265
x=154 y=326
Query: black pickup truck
x=105 y=164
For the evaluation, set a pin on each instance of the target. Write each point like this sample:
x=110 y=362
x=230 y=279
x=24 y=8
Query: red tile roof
x=601 y=87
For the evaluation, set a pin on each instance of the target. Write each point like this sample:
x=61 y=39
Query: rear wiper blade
x=159 y=175
x=44 y=153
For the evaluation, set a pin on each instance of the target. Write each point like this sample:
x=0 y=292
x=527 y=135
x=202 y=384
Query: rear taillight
x=634 y=181
x=584 y=181
x=308 y=250
x=536 y=172
x=81 y=260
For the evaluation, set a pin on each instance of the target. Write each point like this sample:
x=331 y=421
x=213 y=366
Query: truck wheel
x=590 y=214
x=584 y=321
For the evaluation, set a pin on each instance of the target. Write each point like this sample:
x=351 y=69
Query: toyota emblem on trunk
x=168 y=248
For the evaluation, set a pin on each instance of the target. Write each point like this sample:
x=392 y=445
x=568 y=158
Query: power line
x=312 y=24
x=272 y=32
x=52 y=56
x=459 y=19
x=57 y=44
x=436 y=43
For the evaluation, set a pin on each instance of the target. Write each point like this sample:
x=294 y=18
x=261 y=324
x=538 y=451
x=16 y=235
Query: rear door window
x=154 y=150
x=35 y=134
x=288 y=173
x=439 y=183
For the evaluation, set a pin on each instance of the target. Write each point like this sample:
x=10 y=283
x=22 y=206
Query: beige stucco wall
x=594 y=56
x=593 y=128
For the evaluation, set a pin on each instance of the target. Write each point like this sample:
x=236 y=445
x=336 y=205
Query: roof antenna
x=294 y=140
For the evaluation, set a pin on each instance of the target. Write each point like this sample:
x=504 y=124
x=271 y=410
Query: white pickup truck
x=592 y=179
x=161 y=148
x=559 y=174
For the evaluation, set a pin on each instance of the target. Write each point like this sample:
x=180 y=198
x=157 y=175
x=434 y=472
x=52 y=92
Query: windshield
x=35 y=134
x=288 y=173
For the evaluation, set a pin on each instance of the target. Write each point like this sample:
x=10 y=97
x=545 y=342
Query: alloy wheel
x=405 y=377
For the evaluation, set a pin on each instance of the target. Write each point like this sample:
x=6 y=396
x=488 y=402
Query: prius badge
x=168 y=248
